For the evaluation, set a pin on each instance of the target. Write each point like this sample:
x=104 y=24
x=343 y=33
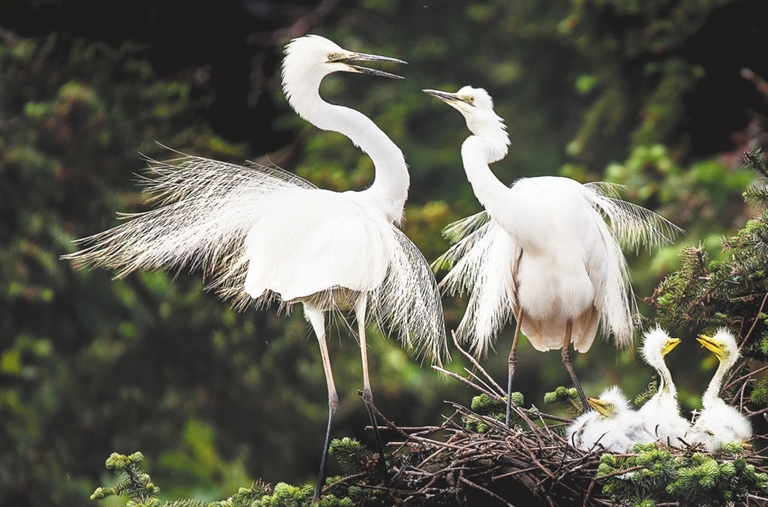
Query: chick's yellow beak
x=602 y=407
x=715 y=346
x=669 y=345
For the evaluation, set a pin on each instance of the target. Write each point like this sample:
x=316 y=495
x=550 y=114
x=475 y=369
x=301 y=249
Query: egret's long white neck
x=711 y=395
x=476 y=153
x=667 y=386
x=390 y=186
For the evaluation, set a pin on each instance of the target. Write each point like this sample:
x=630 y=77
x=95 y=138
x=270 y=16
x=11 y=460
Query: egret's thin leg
x=566 y=355
x=367 y=393
x=317 y=320
x=512 y=363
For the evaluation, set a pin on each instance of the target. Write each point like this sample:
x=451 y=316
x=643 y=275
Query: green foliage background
x=212 y=397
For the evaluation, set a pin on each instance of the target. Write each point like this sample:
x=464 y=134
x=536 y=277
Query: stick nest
x=531 y=463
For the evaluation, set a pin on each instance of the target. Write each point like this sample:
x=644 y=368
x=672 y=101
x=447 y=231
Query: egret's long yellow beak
x=717 y=347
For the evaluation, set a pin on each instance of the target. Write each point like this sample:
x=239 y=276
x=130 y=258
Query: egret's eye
x=471 y=99
x=331 y=56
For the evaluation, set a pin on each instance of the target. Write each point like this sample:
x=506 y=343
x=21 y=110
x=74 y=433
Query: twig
x=476 y=364
x=589 y=491
x=745 y=377
x=512 y=474
x=484 y=490
x=389 y=424
x=487 y=387
x=465 y=380
x=757 y=318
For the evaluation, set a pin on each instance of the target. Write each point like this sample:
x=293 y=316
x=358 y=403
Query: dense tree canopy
x=661 y=96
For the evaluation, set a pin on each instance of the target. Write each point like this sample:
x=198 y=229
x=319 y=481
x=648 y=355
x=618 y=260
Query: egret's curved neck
x=711 y=395
x=476 y=153
x=390 y=186
x=667 y=386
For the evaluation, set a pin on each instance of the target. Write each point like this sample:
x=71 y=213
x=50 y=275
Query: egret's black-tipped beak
x=362 y=57
x=448 y=98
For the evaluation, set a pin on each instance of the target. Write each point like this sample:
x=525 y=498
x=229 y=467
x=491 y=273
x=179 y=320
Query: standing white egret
x=612 y=424
x=660 y=415
x=262 y=234
x=546 y=257
x=719 y=423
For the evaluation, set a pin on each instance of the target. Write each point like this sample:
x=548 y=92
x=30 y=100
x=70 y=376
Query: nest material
x=452 y=466
x=538 y=458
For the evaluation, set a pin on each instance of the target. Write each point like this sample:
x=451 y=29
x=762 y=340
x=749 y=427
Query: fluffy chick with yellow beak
x=612 y=424
x=719 y=422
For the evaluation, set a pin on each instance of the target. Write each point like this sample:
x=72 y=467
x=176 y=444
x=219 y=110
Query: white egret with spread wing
x=660 y=415
x=541 y=252
x=262 y=235
x=719 y=423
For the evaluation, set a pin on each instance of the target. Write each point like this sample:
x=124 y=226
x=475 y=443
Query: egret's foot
x=381 y=463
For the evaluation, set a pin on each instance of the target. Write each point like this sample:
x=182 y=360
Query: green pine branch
x=732 y=293
x=136 y=486
x=656 y=475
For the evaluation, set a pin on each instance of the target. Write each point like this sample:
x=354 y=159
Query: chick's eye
x=610 y=405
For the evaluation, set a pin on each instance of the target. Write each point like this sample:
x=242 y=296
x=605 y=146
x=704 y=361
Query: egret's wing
x=483 y=265
x=206 y=208
x=408 y=301
x=632 y=225
x=461 y=231
x=310 y=240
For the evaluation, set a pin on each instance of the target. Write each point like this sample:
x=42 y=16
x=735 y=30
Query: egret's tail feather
x=633 y=226
x=409 y=302
x=483 y=262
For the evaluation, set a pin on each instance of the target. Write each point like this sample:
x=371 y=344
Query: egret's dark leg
x=367 y=393
x=317 y=320
x=512 y=363
x=566 y=355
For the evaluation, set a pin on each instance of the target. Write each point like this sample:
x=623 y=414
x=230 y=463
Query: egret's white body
x=660 y=415
x=719 y=423
x=335 y=240
x=612 y=424
x=546 y=257
x=262 y=234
